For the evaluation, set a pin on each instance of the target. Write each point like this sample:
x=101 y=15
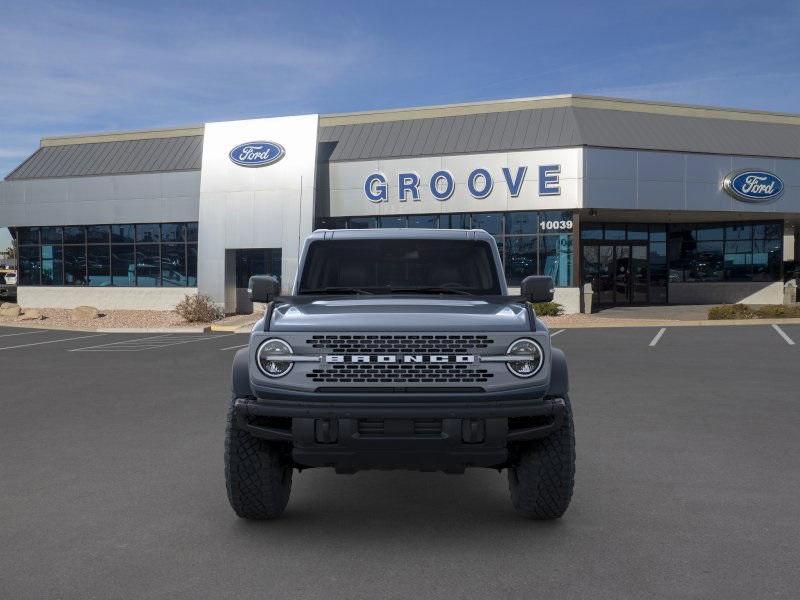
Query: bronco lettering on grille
x=394 y=358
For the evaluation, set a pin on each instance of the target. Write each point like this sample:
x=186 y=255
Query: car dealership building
x=651 y=203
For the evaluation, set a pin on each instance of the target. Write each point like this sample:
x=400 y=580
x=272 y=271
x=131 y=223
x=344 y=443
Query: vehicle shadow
x=398 y=505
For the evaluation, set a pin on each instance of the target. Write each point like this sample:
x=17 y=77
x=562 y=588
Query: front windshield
x=383 y=266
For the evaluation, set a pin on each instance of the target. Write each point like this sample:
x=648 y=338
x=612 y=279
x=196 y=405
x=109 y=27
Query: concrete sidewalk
x=655 y=316
x=695 y=312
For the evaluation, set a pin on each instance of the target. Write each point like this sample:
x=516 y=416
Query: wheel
x=258 y=474
x=543 y=474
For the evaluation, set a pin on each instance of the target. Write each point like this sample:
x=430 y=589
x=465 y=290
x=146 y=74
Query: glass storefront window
x=52 y=235
x=658 y=233
x=191 y=267
x=591 y=231
x=726 y=252
x=173 y=232
x=555 y=258
x=148 y=233
x=522 y=223
x=638 y=232
x=362 y=222
x=52 y=265
x=768 y=231
x=107 y=255
x=148 y=265
x=454 y=221
x=614 y=231
x=29 y=264
x=191 y=232
x=424 y=221
x=332 y=223
x=491 y=222
x=27 y=235
x=739 y=231
x=97 y=234
x=520 y=258
x=394 y=221
x=173 y=265
x=122 y=234
x=123 y=265
x=74 y=235
x=708 y=233
x=75 y=265
x=98 y=259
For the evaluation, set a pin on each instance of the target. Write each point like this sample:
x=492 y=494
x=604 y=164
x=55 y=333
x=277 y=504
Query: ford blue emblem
x=257 y=154
x=753 y=186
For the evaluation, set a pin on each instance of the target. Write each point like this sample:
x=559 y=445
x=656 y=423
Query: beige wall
x=726 y=292
x=108 y=298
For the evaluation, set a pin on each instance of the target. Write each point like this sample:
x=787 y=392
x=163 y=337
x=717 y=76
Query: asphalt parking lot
x=111 y=481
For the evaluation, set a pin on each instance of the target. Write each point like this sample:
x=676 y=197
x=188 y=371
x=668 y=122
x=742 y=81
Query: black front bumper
x=430 y=436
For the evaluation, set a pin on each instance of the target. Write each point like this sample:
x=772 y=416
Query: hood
x=399 y=314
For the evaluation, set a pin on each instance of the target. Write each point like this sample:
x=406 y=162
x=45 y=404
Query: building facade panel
x=625 y=197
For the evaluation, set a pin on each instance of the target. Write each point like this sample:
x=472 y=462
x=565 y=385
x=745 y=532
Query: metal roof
x=489 y=132
x=503 y=125
x=182 y=153
x=560 y=127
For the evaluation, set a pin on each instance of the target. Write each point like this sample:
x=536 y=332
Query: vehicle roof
x=400 y=233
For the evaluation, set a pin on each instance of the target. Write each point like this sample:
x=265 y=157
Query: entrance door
x=618 y=272
x=254 y=261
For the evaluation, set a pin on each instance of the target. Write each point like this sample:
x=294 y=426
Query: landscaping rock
x=11 y=311
x=8 y=304
x=31 y=315
x=84 y=313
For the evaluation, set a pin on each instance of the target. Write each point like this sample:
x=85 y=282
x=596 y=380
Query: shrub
x=198 y=308
x=548 y=309
x=731 y=311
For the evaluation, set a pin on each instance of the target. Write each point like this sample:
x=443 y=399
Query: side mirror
x=263 y=288
x=538 y=288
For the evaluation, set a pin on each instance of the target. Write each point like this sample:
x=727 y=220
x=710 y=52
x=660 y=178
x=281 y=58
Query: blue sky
x=74 y=67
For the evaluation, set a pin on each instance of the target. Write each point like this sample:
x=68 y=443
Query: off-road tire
x=258 y=475
x=543 y=474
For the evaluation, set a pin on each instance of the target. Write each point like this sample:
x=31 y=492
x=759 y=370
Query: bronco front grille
x=400 y=373
x=399 y=344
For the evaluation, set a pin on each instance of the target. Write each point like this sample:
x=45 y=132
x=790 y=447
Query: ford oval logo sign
x=753 y=186
x=257 y=154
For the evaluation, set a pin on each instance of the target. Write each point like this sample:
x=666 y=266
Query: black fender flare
x=240 y=374
x=559 y=375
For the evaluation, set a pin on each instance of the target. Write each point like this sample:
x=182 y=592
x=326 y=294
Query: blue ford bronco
x=400 y=349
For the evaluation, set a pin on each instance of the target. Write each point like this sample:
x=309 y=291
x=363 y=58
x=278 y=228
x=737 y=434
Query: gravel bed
x=56 y=318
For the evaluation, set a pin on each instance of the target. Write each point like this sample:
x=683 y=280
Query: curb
x=667 y=323
x=228 y=328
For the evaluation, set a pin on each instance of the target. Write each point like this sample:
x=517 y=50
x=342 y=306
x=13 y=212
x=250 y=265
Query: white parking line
x=153 y=343
x=83 y=337
x=25 y=333
x=658 y=336
x=555 y=333
x=121 y=342
x=234 y=347
x=782 y=333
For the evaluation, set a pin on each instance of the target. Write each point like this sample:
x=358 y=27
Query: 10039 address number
x=565 y=225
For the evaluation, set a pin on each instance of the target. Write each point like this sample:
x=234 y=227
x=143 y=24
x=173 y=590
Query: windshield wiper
x=336 y=290
x=431 y=290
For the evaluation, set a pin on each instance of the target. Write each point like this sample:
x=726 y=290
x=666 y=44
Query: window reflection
x=109 y=255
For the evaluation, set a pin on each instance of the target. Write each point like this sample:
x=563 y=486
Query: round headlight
x=268 y=366
x=530 y=366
